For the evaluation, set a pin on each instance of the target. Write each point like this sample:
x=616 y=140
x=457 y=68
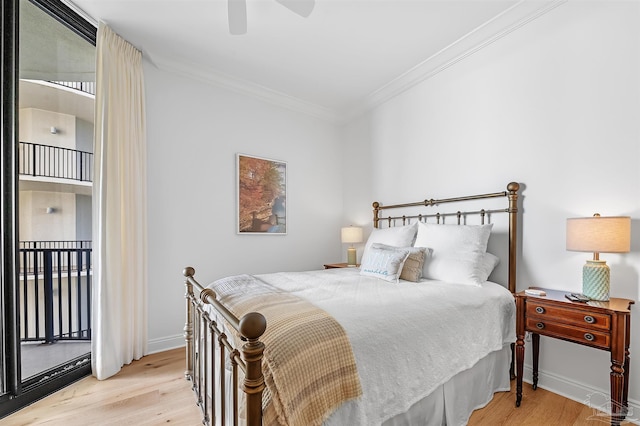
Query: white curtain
x=119 y=298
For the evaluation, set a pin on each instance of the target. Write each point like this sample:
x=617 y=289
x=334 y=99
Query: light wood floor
x=153 y=391
x=539 y=407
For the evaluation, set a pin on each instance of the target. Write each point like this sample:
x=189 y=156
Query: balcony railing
x=45 y=244
x=83 y=86
x=55 y=290
x=55 y=162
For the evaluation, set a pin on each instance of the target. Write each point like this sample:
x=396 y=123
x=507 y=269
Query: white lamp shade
x=351 y=234
x=599 y=234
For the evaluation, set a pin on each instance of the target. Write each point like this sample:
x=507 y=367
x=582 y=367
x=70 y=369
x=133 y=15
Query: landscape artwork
x=262 y=196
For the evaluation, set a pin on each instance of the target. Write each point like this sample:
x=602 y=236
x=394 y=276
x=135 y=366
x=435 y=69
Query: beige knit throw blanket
x=308 y=364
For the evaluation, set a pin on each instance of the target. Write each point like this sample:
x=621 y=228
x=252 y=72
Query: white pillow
x=453 y=238
x=397 y=236
x=457 y=252
x=462 y=268
x=487 y=264
x=384 y=263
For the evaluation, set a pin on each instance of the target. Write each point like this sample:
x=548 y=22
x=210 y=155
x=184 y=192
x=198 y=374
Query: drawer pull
x=589 y=319
x=540 y=309
x=540 y=326
x=589 y=337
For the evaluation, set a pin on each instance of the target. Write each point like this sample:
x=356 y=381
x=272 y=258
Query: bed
x=417 y=334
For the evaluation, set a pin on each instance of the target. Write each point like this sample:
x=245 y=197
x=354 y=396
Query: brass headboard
x=512 y=209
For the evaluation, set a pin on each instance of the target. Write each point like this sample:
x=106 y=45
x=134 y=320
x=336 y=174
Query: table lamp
x=598 y=234
x=351 y=235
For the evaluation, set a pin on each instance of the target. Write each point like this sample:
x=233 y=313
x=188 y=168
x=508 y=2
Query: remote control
x=580 y=297
x=534 y=292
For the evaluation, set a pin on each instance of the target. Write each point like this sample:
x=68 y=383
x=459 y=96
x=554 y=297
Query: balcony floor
x=38 y=357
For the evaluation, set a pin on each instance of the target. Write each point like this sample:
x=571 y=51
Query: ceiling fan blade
x=237 y=10
x=299 y=7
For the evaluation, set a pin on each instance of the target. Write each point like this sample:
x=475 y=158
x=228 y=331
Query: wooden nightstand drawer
x=570 y=315
x=588 y=337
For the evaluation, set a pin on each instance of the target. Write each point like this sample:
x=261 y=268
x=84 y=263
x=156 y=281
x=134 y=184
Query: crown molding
x=216 y=78
x=493 y=30
x=500 y=26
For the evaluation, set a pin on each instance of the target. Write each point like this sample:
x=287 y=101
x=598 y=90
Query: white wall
x=35 y=127
x=35 y=222
x=194 y=132
x=555 y=106
x=38 y=225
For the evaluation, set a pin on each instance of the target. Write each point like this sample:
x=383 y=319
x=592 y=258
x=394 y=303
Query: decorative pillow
x=384 y=264
x=412 y=268
x=397 y=236
x=458 y=252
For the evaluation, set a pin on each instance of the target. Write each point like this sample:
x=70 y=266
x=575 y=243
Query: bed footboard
x=207 y=350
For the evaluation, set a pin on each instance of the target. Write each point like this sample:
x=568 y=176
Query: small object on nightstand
x=535 y=292
x=577 y=297
x=339 y=265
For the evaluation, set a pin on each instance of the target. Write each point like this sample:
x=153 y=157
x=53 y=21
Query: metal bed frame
x=205 y=337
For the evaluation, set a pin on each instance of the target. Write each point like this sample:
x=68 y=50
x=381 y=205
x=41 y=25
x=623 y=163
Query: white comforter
x=407 y=338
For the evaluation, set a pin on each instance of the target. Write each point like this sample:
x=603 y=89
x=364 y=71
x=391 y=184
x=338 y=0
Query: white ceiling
x=348 y=55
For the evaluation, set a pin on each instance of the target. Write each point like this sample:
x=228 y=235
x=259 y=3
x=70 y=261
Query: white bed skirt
x=452 y=403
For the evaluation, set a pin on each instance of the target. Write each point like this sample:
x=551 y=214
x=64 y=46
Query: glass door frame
x=13 y=395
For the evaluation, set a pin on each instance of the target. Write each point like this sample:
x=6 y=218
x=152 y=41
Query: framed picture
x=262 y=196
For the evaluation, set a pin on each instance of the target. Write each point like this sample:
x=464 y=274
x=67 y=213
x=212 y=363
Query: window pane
x=56 y=107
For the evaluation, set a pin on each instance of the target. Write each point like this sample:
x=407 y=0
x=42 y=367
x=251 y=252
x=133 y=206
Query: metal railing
x=57 y=244
x=30 y=253
x=52 y=161
x=83 y=86
x=55 y=291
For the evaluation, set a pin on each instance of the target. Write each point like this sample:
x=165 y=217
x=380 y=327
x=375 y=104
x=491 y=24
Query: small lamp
x=351 y=235
x=598 y=234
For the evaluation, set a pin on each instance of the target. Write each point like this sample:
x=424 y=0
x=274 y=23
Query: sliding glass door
x=47 y=188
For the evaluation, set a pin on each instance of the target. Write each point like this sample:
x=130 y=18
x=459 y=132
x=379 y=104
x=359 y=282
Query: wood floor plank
x=153 y=391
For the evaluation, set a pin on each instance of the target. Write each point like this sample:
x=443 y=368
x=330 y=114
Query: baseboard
x=579 y=392
x=165 y=343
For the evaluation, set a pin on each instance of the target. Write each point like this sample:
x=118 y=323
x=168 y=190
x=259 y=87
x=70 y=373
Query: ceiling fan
x=237 y=10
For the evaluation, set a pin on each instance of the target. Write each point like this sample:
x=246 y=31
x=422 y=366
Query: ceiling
x=348 y=55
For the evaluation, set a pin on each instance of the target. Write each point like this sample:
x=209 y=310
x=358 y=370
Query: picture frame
x=262 y=195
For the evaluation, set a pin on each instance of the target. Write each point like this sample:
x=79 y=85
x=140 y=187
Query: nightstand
x=338 y=265
x=600 y=325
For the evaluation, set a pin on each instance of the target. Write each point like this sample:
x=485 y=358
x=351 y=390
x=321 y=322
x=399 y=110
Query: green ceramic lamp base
x=595 y=280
